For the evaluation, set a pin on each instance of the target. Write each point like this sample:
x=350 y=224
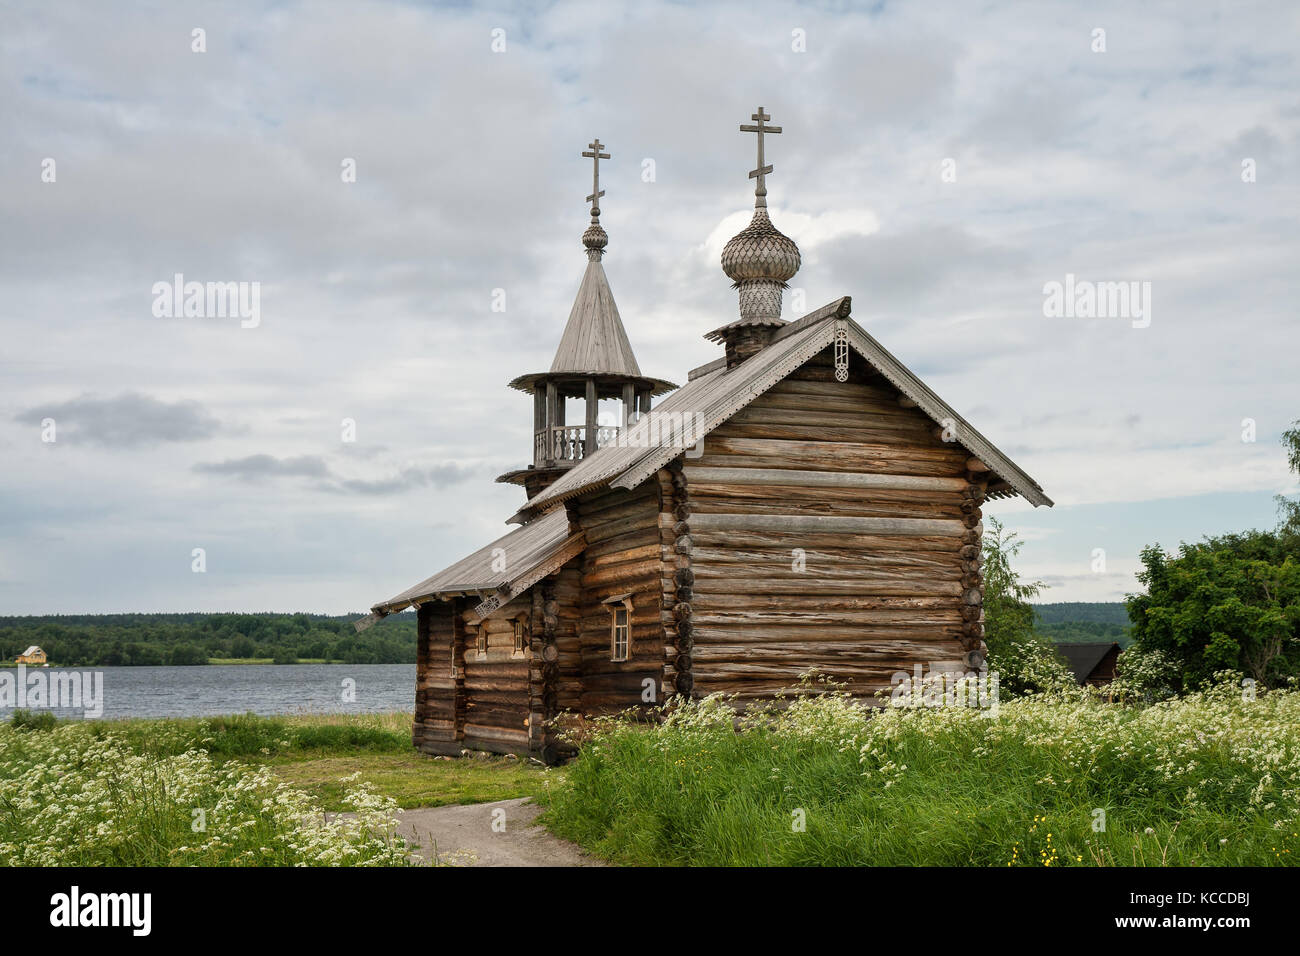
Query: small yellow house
x=33 y=655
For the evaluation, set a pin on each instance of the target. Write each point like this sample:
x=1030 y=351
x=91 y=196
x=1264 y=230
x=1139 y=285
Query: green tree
x=1290 y=510
x=1023 y=661
x=1226 y=603
x=1215 y=607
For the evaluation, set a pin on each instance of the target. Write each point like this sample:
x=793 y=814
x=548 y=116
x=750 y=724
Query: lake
x=219 y=689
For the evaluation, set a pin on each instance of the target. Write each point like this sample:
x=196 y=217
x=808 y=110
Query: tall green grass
x=250 y=735
x=1207 y=780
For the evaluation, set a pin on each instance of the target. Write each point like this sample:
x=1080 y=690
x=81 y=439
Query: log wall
x=497 y=688
x=829 y=526
x=622 y=555
x=435 y=729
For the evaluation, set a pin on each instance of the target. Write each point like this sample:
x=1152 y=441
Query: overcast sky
x=376 y=296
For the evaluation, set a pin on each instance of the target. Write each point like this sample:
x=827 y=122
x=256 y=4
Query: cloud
x=376 y=294
x=262 y=466
x=254 y=467
x=129 y=419
x=439 y=476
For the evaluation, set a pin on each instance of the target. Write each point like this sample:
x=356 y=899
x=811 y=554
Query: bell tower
x=594 y=361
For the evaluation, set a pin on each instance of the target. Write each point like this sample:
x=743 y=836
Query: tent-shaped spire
x=594 y=340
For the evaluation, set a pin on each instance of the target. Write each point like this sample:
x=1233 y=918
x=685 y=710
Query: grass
x=415 y=780
x=129 y=792
x=314 y=752
x=1209 y=780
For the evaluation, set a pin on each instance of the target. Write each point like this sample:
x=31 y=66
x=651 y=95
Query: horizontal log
x=939 y=562
x=716 y=578
x=712 y=659
x=844 y=452
x=819 y=414
x=727 y=476
x=872 y=637
x=642 y=552
x=815 y=524
x=842 y=504
x=833 y=540
x=606 y=531
x=705 y=602
x=829 y=433
x=716 y=456
x=913 y=617
x=617 y=545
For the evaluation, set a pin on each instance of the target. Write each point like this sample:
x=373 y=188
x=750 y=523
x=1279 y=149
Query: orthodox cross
x=595 y=155
x=760 y=118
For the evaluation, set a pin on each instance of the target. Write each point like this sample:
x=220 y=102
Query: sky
x=942 y=164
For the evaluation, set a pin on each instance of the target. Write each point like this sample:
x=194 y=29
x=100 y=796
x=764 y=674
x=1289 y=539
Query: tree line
x=118 y=640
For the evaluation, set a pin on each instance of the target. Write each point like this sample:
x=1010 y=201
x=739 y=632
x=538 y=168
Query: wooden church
x=803 y=501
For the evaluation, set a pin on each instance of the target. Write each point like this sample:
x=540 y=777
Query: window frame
x=480 y=643
x=521 y=638
x=620 y=604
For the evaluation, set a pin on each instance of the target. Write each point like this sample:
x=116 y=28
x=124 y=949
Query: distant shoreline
x=210 y=661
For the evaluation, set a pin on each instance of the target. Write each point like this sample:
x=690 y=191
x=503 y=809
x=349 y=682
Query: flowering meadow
x=86 y=795
x=1060 y=779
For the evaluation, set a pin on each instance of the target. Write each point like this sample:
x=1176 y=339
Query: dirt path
x=488 y=834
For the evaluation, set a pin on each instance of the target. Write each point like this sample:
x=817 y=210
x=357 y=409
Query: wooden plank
x=822 y=524
x=805 y=478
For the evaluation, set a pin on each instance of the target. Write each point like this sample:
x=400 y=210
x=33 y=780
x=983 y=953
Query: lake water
x=224 y=689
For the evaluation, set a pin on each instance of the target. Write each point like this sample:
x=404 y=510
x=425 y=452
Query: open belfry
x=802 y=502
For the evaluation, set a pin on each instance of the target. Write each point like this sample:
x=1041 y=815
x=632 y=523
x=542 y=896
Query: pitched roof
x=594 y=339
x=30 y=651
x=524 y=551
x=1083 y=658
x=717 y=393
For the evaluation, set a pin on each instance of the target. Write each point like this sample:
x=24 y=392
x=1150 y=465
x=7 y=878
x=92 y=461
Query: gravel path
x=488 y=834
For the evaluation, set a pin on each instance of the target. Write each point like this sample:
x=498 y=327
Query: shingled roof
x=716 y=393
x=594 y=343
x=594 y=340
x=1084 y=658
x=524 y=551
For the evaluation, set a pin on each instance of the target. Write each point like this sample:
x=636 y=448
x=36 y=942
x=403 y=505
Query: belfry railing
x=568 y=442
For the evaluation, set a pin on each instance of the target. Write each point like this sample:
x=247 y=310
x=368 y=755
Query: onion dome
x=759 y=260
x=595 y=238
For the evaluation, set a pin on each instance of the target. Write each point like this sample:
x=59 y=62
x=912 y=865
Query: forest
x=116 y=640
x=1084 y=622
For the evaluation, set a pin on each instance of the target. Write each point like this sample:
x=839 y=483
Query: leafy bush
x=1224 y=603
x=33 y=720
x=1143 y=676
